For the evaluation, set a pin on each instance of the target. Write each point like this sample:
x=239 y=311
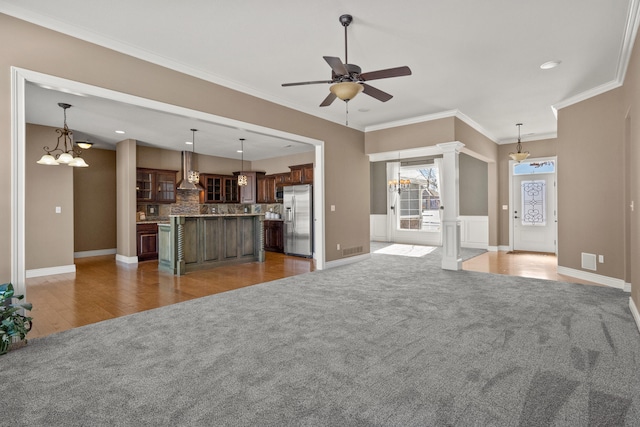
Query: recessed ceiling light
x=239 y=151
x=550 y=64
x=189 y=142
x=363 y=110
x=120 y=131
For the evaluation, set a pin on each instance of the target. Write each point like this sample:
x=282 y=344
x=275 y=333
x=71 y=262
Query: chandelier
x=399 y=185
x=193 y=176
x=65 y=152
x=519 y=155
x=242 y=178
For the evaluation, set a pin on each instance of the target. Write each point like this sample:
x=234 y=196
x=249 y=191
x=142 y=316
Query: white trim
x=593 y=277
x=98 y=252
x=630 y=32
x=126 y=259
x=430 y=117
x=50 y=271
x=474 y=231
x=346 y=261
x=534 y=137
x=627 y=287
x=634 y=312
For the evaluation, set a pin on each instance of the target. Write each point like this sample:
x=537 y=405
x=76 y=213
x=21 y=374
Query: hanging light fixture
x=399 y=185
x=519 y=155
x=193 y=176
x=64 y=152
x=242 y=178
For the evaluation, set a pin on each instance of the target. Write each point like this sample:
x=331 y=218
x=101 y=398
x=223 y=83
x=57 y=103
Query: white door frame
x=511 y=197
x=19 y=78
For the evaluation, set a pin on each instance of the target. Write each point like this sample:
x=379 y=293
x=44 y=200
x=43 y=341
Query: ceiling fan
x=347 y=80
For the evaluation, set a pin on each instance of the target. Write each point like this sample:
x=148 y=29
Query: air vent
x=352 y=251
x=589 y=261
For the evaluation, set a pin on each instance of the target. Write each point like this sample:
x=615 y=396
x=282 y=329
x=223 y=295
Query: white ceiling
x=479 y=58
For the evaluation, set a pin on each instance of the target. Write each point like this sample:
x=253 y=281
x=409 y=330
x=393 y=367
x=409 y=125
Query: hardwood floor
x=524 y=264
x=102 y=289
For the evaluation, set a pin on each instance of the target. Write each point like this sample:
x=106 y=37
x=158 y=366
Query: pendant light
x=193 y=176
x=64 y=152
x=519 y=155
x=242 y=178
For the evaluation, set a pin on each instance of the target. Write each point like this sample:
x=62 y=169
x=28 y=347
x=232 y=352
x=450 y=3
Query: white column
x=450 y=206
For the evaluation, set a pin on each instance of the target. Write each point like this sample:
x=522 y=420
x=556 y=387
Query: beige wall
x=48 y=235
x=539 y=148
x=281 y=164
x=424 y=134
x=126 y=198
x=94 y=201
x=473 y=186
x=590 y=182
x=631 y=151
x=38 y=49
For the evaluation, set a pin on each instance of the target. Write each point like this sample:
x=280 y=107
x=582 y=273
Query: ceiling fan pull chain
x=346 y=106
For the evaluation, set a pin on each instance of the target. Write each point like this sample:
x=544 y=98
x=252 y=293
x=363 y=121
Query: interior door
x=534 y=213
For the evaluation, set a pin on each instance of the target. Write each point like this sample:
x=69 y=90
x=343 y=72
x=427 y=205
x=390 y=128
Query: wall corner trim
x=50 y=271
x=346 y=261
x=611 y=282
x=98 y=252
x=634 y=312
x=126 y=259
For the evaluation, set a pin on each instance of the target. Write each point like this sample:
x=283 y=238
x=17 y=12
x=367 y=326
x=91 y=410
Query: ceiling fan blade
x=383 y=74
x=376 y=93
x=328 y=100
x=336 y=65
x=307 y=83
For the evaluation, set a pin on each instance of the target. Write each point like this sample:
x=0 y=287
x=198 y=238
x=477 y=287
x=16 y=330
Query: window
x=420 y=202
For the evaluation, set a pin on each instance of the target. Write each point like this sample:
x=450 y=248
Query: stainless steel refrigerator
x=298 y=220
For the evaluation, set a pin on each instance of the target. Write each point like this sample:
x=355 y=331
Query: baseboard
x=99 y=252
x=627 y=287
x=50 y=271
x=474 y=245
x=634 y=312
x=595 y=278
x=127 y=259
x=346 y=261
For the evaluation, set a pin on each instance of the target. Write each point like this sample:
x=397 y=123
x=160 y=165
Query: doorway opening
x=533 y=205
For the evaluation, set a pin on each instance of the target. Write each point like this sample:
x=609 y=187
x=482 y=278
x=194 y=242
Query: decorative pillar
x=450 y=206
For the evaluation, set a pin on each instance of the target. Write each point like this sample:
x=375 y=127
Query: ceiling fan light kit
x=348 y=80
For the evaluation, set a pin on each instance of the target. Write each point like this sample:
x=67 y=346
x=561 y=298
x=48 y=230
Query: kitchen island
x=197 y=242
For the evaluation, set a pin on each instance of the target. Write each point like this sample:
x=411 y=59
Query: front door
x=534 y=206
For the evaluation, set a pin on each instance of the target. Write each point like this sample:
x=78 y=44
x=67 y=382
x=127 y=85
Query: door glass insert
x=420 y=201
x=529 y=168
x=534 y=209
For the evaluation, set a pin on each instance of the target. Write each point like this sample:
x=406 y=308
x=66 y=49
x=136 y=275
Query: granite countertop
x=153 y=221
x=217 y=214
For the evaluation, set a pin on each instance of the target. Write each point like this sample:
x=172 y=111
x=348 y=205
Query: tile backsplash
x=188 y=205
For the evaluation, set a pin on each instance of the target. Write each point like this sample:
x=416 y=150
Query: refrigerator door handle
x=293 y=211
x=287 y=214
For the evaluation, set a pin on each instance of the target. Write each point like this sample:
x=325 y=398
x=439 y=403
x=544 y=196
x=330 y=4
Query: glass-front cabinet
x=155 y=185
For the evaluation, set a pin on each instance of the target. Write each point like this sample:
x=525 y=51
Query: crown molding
x=630 y=33
x=535 y=137
x=430 y=117
x=69 y=29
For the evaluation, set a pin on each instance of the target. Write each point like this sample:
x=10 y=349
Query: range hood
x=187 y=165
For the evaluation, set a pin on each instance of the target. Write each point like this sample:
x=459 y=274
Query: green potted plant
x=12 y=322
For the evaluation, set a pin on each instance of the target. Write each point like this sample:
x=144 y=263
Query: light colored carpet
x=389 y=341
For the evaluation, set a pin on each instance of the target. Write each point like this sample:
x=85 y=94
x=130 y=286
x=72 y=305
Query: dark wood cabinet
x=147 y=241
x=302 y=174
x=273 y=236
x=219 y=189
x=266 y=189
x=156 y=185
x=249 y=192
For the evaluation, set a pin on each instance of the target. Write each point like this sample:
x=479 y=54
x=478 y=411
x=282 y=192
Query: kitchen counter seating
x=196 y=242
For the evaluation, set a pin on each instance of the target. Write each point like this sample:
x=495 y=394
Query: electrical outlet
x=333 y=208
x=58 y=209
x=338 y=246
x=601 y=259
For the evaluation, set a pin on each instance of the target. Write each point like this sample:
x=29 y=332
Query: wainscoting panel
x=474 y=232
x=378 y=228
